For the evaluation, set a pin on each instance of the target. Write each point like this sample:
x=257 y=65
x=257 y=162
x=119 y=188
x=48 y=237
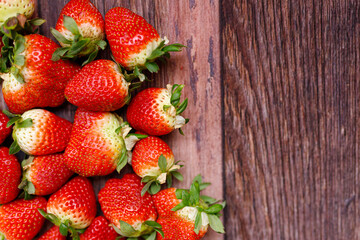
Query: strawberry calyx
x=203 y=210
x=176 y=106
x=20 y=25
x=19 y=123
x=26 y=184
x=153 y=182
x=64 y=227
x=77 y=47
x=162 y=52
x=130 y=140
x=147 y=230
x=2 y=236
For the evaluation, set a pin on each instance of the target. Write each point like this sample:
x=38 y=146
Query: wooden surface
x=291 y=77
x=198 y=67
x=274 y=103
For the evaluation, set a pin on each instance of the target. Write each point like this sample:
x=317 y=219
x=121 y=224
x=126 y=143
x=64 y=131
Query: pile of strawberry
x=37 y=73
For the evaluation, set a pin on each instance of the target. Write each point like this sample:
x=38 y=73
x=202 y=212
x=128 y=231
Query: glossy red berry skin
x=52 y=234
x=11 y=175
x=4 y=131
x=21 y=219
x=100 y=228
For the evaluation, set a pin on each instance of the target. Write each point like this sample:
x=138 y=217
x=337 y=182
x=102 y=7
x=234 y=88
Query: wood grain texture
x=291 y=118
x=198 y=67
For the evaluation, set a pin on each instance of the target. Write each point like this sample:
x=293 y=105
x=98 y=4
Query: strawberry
x=153 y=161
x=99 y=229
x=72 y=207
x=79 y=30
x=52 y=234
x=39 y=132
x=44 y=175
x=134 y=43
x=33 y=79
x=99 y=86
x=4 y=130
x=190 y=206
x=11 y=174
x=176 y=228
x=11 y=8
x=20 y=219
x=97 y=145
x=131 y=214
x=155 y=111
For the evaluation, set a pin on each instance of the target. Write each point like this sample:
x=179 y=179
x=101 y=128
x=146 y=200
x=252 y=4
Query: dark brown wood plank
x=198 y=67
x=292 y=130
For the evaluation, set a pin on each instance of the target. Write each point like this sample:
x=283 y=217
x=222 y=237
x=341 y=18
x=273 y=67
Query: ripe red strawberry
x=153 y=160
x=10 y=8
x=52 y=234
x=99 y=229
x=176 y=228
x=11 y=174
x=135 y=43
x=131 y=214
x=189 y=206
x=20 y=219
x=34 y=80
x=80 y=30
x=72 y=207
x=4 y=131
x=44 y=175
x=97 y=145
x=155 y=111
x=39 y=132
x=99 y=86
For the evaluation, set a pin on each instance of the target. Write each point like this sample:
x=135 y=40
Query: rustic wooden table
x=274 y=103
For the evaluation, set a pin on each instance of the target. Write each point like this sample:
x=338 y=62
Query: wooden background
x=274 y=103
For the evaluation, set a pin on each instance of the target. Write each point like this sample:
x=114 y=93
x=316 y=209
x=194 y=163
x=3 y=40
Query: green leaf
x=214 y=209
x=198 y=222
x=215 y=223
x=126 y=229
x=122 y=161
x=166 y=107
x=16 y=73
x=12 y=121
x=9 y=114
x=178 y=176
x=173 y=48
x=146 y=187
x=162 y=163
x=37 y=21
x=147 y=179
x=208 y=200
x=59 y=37
x=152 y=236
x=153 y=224
x=194 y=193
x=159 y=231
x=202 y=186
x=179 y=193
x=91 y=57
x=14 y=148
x=154 y=188
x=49 y=216
x=19 y=46
x=155 y=54
x=102 y=44
x=139 y=136
x=77 y=47
x=181 y=205
x=169 y=179
x=24 y=124
x=30 y=188
x=58 y=53
x=182 y=107
x=70 y=24
x=152 y=67
x=19 y=60
x=63 y=229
